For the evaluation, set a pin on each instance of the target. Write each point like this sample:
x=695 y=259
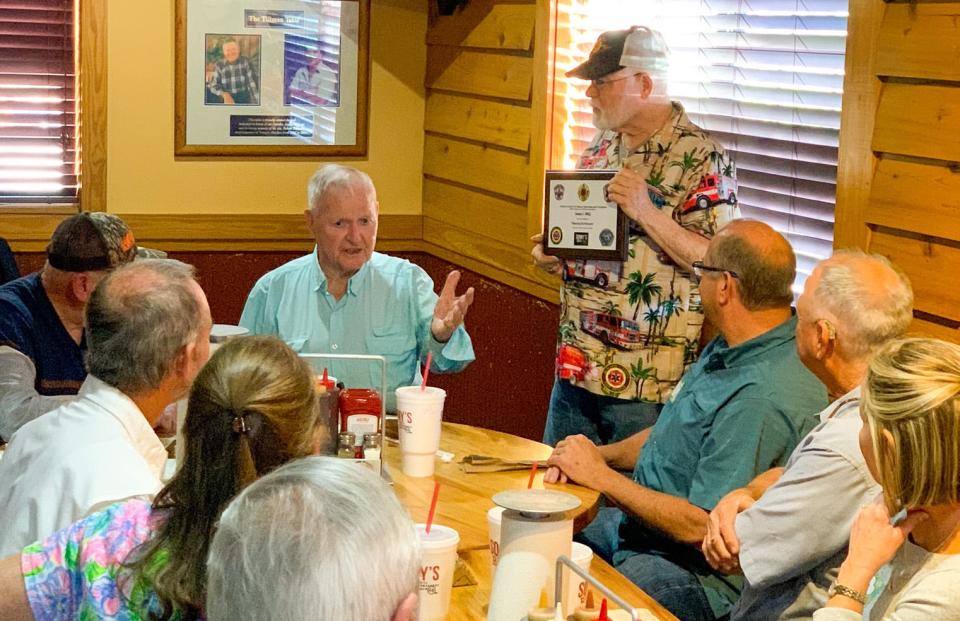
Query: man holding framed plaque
x=631 y=319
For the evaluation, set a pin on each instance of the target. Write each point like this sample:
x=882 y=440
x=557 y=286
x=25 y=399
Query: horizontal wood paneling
x=920 y=41
x=477 y=119
x=514 y=266
x=507 y=26
x=930 y=265
x=919 y=120
x=482 y=116
x=470 y=164
x=916 y=197
x=493 y=217
x=478 y=73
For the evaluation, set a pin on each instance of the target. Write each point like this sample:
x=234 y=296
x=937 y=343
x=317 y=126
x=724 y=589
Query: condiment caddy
x=353 y=415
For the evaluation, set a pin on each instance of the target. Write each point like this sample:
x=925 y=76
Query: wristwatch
x=838 y=589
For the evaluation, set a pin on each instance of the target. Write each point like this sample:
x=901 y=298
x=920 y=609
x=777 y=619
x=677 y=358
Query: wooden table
x=469 y=603
x=466 y=498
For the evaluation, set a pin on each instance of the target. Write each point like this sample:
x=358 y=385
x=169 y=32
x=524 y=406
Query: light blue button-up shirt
x=387 y=311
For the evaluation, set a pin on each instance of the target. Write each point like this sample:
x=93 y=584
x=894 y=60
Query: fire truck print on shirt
x=630 y=329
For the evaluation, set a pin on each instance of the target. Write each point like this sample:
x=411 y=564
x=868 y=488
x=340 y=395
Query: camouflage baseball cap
x=91 y=241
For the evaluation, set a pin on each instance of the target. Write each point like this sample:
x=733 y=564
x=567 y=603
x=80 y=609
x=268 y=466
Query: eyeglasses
x=601 y=82
x=699 y=268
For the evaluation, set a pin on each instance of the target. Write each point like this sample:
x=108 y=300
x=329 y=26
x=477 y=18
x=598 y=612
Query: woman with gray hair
x=319 y=538
x=252 y=408
x=911 y=442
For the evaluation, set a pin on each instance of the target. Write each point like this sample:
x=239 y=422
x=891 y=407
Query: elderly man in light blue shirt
x=344 y=298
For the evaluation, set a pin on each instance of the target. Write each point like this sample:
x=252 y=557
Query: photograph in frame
x=281 y=77
x=311 y=71
x=232 y=70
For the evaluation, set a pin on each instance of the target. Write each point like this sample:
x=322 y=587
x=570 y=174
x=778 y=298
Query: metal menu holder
x=315 y=362
x=558 y=593
x=373 y=359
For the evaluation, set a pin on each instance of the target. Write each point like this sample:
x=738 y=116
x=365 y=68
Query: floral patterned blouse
x=76 y=573
x=629 y=330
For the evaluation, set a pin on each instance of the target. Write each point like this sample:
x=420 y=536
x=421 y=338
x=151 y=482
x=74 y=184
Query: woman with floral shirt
x=252 y=408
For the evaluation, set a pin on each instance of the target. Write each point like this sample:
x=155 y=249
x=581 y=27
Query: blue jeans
x=602 y=419
x=673 y=586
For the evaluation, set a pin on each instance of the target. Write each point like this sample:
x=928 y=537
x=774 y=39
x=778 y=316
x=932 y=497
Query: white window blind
x=38 y=162
x=765 y=77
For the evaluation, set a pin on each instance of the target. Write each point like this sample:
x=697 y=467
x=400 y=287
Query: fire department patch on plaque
x=583 y=193
x=615 y=377
x=556 y=235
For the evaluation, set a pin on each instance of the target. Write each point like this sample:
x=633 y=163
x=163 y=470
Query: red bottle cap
x=603 y=611
x=325 y=381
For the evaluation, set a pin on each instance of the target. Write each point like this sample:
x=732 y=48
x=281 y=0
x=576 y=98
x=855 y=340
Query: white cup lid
x=537 y=501
x=429 y=393
x=580 y=552
x=221 y=332
x=439 y=537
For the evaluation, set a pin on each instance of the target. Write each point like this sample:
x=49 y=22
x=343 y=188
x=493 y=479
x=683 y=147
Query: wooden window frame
x=28 y=226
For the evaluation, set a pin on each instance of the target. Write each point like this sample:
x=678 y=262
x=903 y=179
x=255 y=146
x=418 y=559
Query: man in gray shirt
x=787 y=531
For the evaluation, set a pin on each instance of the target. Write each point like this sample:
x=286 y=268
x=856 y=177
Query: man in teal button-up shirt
x=344 y=298
x=738 y=411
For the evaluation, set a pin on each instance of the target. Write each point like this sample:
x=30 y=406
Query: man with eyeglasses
x=739 y=411
x=42 y=344
x=787 y=531
x=662 y=159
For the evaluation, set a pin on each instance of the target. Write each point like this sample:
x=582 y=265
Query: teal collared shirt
x=386 y=311
x=737 y=412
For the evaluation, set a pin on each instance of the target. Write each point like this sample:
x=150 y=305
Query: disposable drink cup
x=419 y=413
x=575 y=587
x=494 y=517
x=436 y=570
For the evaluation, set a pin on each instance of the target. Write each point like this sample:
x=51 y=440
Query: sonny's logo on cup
x=582 y=592
x=430 y=579
x=404 y=418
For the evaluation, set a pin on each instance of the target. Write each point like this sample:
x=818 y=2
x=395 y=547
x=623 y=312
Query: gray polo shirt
x=794 y=538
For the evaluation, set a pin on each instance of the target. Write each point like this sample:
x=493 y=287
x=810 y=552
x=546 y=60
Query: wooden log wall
x=898 y=185
x=484 y=139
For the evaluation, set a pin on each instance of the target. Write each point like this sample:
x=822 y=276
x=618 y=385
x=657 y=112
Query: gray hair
x=336 y=176
x=138 y=320
x=871 y=309
x=318 y=538
x=765 y=271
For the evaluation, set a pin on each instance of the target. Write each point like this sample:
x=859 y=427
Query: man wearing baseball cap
x=661 y=158
x=42 y=344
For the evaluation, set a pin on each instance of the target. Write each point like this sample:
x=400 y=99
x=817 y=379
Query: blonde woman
x=911 y=442
x=252 y=408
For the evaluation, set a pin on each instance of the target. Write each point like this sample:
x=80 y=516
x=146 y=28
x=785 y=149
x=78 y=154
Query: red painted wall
x=514 y=334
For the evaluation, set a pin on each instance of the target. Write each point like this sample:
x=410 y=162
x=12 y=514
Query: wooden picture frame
x=575 y=205
x=272 y=78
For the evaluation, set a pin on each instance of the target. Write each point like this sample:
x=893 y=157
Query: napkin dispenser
x=536 y=529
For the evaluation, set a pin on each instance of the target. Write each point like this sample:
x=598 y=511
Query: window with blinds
x=765 y=77
x=38 y=154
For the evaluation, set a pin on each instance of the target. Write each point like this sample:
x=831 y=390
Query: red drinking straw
x=433 y=505
x=426 y=371
x=533 y=473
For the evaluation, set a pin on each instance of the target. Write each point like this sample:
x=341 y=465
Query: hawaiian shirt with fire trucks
x=630 y=329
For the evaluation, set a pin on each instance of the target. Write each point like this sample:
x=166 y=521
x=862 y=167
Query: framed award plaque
x=580 y=222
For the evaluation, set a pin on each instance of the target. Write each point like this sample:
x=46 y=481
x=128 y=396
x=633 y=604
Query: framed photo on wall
x=272 y=77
